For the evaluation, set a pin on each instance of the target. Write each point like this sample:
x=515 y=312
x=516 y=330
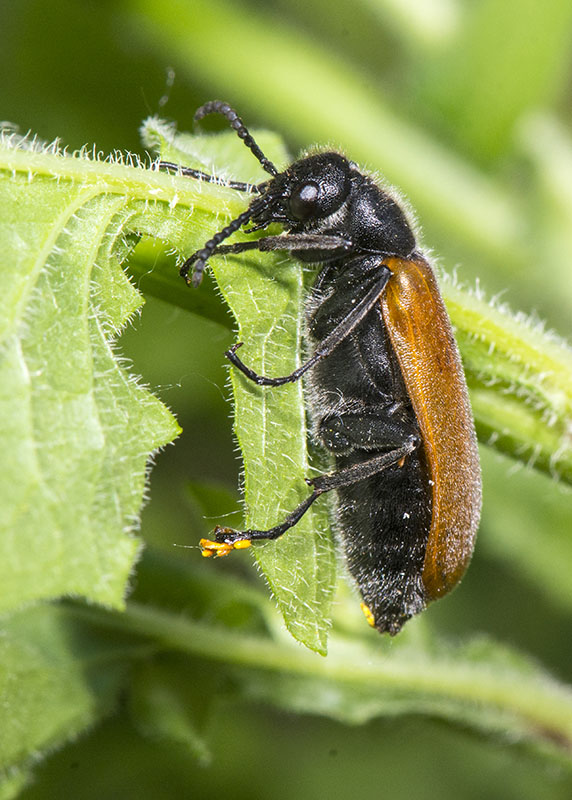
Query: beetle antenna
x=218 y=107
x=199 y=259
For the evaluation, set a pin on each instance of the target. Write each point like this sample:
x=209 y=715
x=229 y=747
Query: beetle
x=385 y=385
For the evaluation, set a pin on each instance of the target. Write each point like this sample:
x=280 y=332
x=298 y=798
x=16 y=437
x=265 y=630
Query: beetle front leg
x=316 y=247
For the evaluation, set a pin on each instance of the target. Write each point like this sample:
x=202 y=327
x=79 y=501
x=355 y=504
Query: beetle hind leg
x=228 y=539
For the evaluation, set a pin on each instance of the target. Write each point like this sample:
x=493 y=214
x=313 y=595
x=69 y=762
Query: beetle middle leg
x=382 y=428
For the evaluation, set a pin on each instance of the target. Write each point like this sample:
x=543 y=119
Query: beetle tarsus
x=225 y=540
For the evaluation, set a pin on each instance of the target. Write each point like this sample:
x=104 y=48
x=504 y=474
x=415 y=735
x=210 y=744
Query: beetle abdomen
x=361 y=408
x=385 y=522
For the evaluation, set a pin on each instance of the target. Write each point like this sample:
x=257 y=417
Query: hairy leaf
x=81 y=429
x=57 y=677
x=76 y=429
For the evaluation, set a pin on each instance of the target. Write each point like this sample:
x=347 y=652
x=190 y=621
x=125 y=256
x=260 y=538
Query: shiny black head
x=331 y=211
x=309 y=191
x=326 y=194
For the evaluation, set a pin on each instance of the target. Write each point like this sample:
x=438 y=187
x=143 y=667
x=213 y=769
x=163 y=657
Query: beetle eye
x=304 y=200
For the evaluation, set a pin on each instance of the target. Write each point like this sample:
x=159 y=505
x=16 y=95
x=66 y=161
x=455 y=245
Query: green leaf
x=57 y=677
x=271 y=430
x=75 y=429
x=265 y=294
x=90 y=209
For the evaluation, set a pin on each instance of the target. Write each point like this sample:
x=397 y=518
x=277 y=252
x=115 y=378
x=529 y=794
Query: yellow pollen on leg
x=218 y=549
x=242 y=544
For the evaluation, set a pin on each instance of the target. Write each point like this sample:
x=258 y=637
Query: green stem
x=541 y=709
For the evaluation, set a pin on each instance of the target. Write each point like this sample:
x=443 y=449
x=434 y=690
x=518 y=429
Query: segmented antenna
x=218 y=107
x=199 y=259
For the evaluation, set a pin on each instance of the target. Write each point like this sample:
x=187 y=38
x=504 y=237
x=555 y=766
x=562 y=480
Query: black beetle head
x=325 y=193
x=317 y=186
x=307 y=192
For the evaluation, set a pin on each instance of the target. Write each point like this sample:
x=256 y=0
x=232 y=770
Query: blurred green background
x=463 y=104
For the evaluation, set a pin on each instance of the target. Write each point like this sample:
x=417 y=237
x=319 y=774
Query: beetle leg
x=322 y=243
x=291 y=242
x=318 y=245
x=327 y=346
x=365 y=430
x=227 y=539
